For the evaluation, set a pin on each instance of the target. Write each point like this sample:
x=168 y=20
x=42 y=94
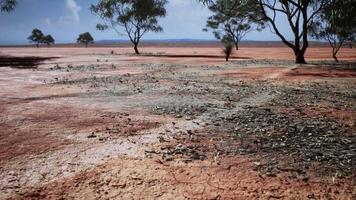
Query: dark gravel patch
x=22 y=62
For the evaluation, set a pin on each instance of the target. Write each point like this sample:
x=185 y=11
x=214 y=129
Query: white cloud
x=74 y=10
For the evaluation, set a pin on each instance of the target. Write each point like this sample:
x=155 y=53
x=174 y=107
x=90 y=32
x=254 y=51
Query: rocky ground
x=116 y=126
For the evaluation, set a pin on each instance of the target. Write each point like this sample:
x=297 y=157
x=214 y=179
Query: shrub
x=228 y=49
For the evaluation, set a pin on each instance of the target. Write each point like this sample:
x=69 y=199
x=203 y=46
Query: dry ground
x=176 y=123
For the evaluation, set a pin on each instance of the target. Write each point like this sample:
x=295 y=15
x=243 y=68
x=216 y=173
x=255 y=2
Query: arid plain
x=176 y=123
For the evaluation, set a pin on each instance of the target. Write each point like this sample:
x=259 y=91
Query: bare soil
x=176 y=123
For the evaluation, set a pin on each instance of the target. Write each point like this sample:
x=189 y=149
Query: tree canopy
x=233 y=19
x=85 y=38
x=48 y=39
x=7 y=5
x=136 y=17
x=336 y=23
x=36 y=37
x=299 y=15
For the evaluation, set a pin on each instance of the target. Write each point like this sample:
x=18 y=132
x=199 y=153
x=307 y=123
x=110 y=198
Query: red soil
x=37 y=119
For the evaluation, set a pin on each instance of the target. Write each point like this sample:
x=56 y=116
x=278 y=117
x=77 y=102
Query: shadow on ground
x=22 y=62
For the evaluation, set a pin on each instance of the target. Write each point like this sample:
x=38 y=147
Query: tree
x=352 y=41
x=48 y=39
x=85 y=38
x=298 y=14
x=233 y=19
x=7 y=5
x=136 y=17
x=336 y=23
x=36 y=37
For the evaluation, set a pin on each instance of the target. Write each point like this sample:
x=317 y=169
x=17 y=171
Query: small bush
x=228 y=48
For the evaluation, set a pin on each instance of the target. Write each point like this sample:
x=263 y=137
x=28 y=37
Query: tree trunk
x=237 y=46
x=227 y=58
x=136 y=48
x=86 y=45
x=334 y=56
x=37 y=45
x=299 y=57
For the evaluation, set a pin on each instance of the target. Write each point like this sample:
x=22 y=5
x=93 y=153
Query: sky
x=66 y=19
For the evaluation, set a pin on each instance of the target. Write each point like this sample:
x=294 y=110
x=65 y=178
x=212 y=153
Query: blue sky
x=65 y=19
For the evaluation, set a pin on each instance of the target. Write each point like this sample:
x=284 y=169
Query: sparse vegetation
x=38 y=38
x=177 y=122
x=135 y=17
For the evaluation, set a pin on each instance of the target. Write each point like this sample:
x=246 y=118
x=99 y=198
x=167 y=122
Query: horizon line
x=175 y=40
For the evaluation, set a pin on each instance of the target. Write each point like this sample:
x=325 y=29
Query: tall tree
x=233 y=19
x=85 y=38
x=36 y=37
x=298 y=14
x=7 y=5
x=48 y=39
x=136 y=17
x=336 y=23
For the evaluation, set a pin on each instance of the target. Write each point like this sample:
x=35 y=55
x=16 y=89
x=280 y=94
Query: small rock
x=92 y=135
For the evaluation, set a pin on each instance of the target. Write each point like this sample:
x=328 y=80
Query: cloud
x=74 y=10
x=47 y=21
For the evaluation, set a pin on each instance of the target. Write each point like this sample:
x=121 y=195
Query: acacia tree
x=48 y=39
x=36 y=37
x=233 y=19
x=298 y=13
x=136 y=17
x=336 y=23
x=7 y=5
x=85 y=38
